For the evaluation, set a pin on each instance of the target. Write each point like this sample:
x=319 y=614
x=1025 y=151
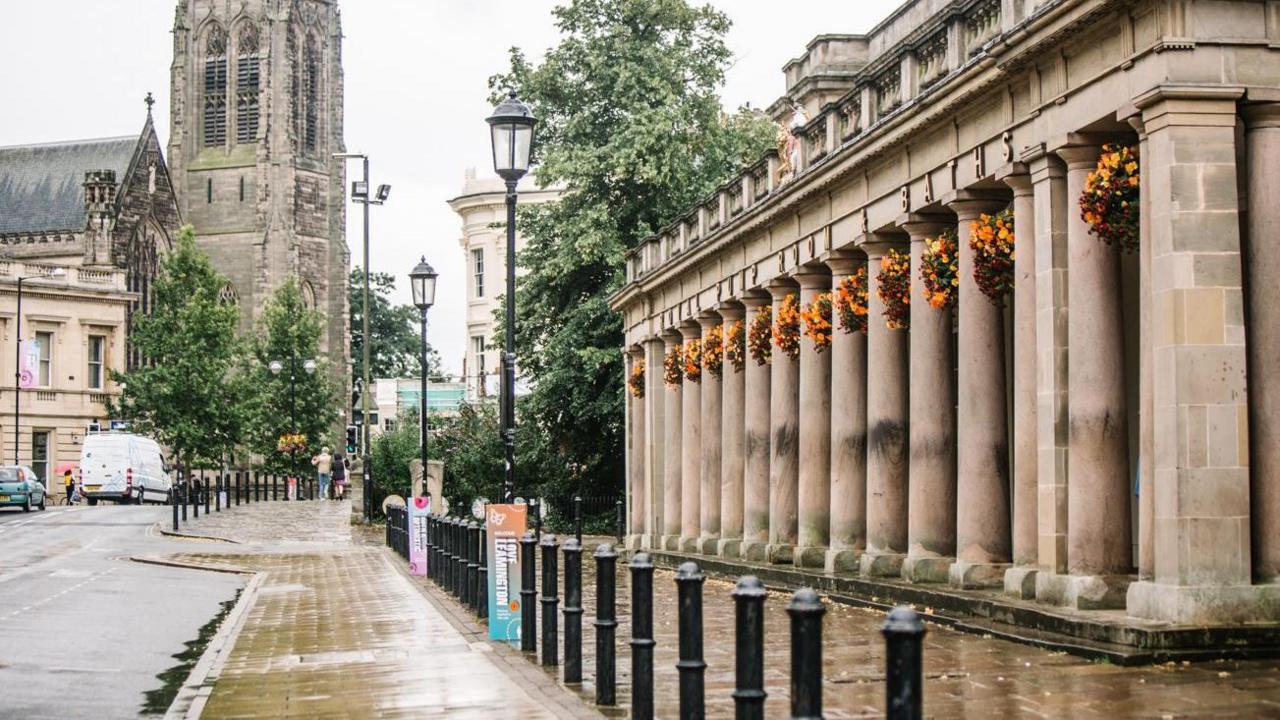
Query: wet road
x=84 y=631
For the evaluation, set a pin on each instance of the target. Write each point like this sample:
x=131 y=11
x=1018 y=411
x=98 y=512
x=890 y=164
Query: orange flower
x=693 y=361
x=636 y=382
x=759 y=334
x=851 y=301
x=786 y=327
x=735 y=345
x=894 y=289
x=713 y=350
x=939 y=270
x=817 y=321
x=673 y=366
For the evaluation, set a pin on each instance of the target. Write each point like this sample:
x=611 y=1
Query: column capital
x=732 y=310
x=920 y=225
x=1261 y=115
x=755 y=299
x=878 y=248
x=968 y=204
x=671 y=337
x=691 y=329
x=843 y=262
x=635 y=350
x=1017 y=176
x=781 y=287
x=708 y=319
x=813 y=277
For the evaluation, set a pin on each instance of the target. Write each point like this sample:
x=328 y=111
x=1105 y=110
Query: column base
x=708 y=544
x=1204 y=604
x=966 y=575
x=1020 y=581
x=877 y=563
x=842 y=560
x=670 y=543
x=729 y=547
x=1083 y=592
x=780 y=553
x=689 y=544
x=926 y=568
x=812 y=556
x=756 y=550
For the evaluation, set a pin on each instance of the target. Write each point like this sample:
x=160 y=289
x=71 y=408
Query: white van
x=122 y=467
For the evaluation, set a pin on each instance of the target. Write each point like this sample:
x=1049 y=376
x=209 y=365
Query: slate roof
x=42 y=186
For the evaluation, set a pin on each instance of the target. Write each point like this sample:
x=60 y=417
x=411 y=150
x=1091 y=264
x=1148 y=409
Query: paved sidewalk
x=335 y=630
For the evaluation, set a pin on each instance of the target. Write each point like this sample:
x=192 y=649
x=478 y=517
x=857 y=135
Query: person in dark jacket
x=339 y=476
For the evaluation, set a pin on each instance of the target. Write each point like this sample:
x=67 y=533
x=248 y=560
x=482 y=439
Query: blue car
x=20 y=487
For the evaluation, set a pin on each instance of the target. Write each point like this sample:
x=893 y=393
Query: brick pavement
x=336 y=630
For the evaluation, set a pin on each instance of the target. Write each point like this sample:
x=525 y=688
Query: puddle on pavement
x=156 y=702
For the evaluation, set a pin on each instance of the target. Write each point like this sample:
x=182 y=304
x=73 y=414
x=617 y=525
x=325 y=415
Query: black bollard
x=691 y=666
x=217 y=493
x=460 y=560
x=451 y=561
x=195 y=498
x=473 y=565
x=275 y=488
x=182 y=497
x=537 y=520
x=642 y=637
x=175 y=501
x=572 y=610
x=606 y=624
x=257 y=486
x=550 y=600
x=619 y=522
x=482 y=607
x=806 y=611
x=446 y=553
x=528 y=590
x=427 y=548
x=434 y=561
x=748 y=694
x=205 y=481
x=904 y=664
x=577 y=518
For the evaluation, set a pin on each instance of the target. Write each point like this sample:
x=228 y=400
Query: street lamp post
x=310 y=366
x=423 y=282
x=360 y=194
x=511 y=133
x=17 y=362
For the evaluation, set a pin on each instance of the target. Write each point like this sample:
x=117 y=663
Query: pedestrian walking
x=324 y=468
x=69 y=484
x=339 y=476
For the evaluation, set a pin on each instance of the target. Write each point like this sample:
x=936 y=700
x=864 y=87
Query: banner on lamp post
x=505 y=525
x=29 y=364
x=419 y=509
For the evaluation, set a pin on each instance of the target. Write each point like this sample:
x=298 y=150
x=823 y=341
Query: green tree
x=631 y=125
x=184 y=392
x=289 y=333
x=395 y=329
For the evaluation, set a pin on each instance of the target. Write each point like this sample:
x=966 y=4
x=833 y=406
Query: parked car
x=20 y=487
x=122 y=467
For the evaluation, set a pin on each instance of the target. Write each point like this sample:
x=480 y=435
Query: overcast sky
x=415 y=96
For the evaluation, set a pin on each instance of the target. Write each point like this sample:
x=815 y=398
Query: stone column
x=638 y=444
x=691 y=468
x=848 y=436
x=1146 y=404
x=1202 y=514
x=784 y=449
x=887 y=432
x=1098 y=538
x=673 y=424
x=815 y=432
x=1262 y=138
x=709 y=523
x=756 y=383
x=983 y=545
x=1020 y=580
x=733 y=434
x=1049 y=188
x=655 y=447
x=931 y=501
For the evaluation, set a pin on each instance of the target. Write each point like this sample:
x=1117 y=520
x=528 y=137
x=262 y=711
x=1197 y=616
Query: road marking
x=57 y=595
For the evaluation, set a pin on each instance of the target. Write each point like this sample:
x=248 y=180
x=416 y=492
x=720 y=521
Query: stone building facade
x=84 y=224
x=1110 y=437
x=256 y=117
x=482 y=206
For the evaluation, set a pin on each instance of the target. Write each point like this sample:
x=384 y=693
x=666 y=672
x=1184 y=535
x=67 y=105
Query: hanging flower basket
x=713 y=351
x=817 y=321
x=291 y=442
x=735 y=345
x=693 y=361
x=636 y=382
x=673 y=367
x=991 y=238
x=759 y=335
x=1109 y=203
x=786 y=327
x=940 y=270
x=894 y=289
x=851 y=301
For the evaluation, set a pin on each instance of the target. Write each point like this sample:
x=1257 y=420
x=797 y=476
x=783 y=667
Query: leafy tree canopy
x=396 y=331
x=185 y=393
x=630 y=123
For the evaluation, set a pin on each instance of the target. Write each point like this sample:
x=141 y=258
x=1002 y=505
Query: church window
x=248 y=82
x=241 y=188
x=311 y=92
x=215 y=88
x=228 y=295
x=308 y=295
x=208 y=190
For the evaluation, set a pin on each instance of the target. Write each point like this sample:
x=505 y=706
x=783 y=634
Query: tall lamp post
x=423 y=281
x=55 y=273
x=360 y=195
x=511 y=132
x=310 y=367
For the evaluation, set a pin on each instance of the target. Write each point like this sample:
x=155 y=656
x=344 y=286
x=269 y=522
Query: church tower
x=257 y=113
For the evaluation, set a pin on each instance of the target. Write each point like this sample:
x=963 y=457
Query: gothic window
x=228 y=295
x=141 y=266
x=215 y=88
x=308 y=295
x=295 y=100
x=311 y=91
x=247 y=84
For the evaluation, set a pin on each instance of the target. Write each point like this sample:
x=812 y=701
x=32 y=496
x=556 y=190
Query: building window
x=208 y=191
x=477 y=265
x=247 y=84
x=477 y=348
x=44 y=341
x=40 y=454
x=97 y=357
x=311 y=92
x=215 y=88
